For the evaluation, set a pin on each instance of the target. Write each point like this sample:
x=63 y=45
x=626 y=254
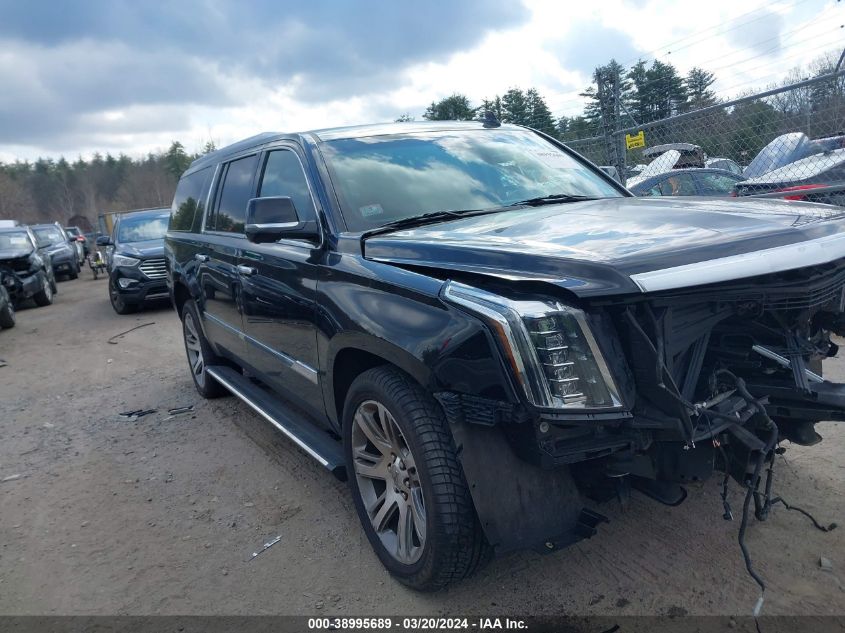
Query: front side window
x=236 y=190
x=387 y=178
x=283 y=176
x=142 y=228
x=189 y=201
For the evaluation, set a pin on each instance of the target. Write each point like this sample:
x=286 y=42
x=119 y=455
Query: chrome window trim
x=771 y=260
x=291 y=147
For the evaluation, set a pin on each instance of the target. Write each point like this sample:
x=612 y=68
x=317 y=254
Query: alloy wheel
x=193 y=346
x=388 y=482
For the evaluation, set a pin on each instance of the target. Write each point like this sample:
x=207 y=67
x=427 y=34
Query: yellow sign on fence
x=635 y=141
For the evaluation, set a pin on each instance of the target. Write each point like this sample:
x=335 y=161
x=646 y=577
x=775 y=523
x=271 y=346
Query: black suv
x=483 y=331
x=136 y=261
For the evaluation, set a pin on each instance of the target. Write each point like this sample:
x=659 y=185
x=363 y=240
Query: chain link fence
x=786 y=142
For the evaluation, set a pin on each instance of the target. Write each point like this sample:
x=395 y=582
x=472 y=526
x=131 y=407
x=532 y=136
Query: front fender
x=398 y=316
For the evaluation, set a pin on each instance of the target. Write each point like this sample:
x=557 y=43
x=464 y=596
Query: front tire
x=44 y=297
x=118 y=303
x=7 y=314
x=407 y=484
x=199 y=353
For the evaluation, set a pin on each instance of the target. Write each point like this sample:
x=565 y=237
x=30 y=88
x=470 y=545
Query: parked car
x=804 y=177
x=63 y=255
x=695 y=181
x=724 y=163
x=136 y=259
x=689 y=155
x=497 y=331
x=25 y=272
x=75 y=234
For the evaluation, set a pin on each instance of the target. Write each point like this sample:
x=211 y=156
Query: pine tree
x=515 y=107
x=453 y=108
x=539 y=115
x=698 y=82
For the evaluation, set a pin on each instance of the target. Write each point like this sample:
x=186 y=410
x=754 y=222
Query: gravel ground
x=100 y=514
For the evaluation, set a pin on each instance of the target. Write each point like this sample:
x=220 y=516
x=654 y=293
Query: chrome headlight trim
x=124 y=260
x=507 y=316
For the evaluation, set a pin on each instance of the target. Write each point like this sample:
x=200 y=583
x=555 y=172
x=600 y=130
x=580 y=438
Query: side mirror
x=274 y=218
x=104 y=240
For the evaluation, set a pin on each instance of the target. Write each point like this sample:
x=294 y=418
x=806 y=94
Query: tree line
x=75 y=193
x=622 y=97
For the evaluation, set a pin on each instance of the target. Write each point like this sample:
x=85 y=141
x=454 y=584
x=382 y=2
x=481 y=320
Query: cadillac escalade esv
x=484 y=333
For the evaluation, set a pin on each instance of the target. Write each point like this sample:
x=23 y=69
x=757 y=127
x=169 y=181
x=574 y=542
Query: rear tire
x=44 y=297
x=407 y=484
x=199 y=353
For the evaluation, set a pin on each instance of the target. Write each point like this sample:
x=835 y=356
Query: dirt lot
x=161 y=515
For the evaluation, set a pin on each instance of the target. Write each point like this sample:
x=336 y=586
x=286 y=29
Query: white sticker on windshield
x=370 y=210
x=554 y=159
x=18 y=241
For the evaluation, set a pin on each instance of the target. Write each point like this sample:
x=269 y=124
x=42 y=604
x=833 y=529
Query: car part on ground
x=530 y=339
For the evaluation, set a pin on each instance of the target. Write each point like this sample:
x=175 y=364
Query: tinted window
x=678 y=185
x=50 y=235
x=142 y=228
x=283 y=176
x=189 y=201
x=236 y=191
x=715 y=184
x=386 y=178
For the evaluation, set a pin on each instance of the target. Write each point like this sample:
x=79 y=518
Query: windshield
x=388 y=178
x=142 y=228
x=13 y=241
x=50 y=234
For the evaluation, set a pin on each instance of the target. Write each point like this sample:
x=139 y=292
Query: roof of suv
x=336 y=133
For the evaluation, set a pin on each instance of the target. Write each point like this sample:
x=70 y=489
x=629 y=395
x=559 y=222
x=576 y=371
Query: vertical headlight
x=549 y=346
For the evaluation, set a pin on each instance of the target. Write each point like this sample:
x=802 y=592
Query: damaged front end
x=716 y=366
x=646 y=392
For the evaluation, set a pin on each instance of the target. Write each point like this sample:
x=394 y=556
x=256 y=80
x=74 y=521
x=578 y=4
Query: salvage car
x=25 y=273
x=816 y=178
x=63 y=254
x=694 y=181
x=136 y=259
x=485 y=334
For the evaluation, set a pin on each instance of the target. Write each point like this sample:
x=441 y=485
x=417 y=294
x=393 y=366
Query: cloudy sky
x=132 y=75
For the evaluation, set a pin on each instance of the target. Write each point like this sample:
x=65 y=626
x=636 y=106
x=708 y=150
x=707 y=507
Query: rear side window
x=235 y=192
x=189 y=201
x=283 y=176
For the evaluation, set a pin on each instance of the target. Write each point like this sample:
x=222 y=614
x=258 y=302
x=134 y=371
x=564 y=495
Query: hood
x=147 y=248
x=609 y=246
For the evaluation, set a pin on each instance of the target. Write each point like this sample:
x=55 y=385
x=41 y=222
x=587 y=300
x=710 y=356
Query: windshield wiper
x=554 y=198
x=425 y=218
